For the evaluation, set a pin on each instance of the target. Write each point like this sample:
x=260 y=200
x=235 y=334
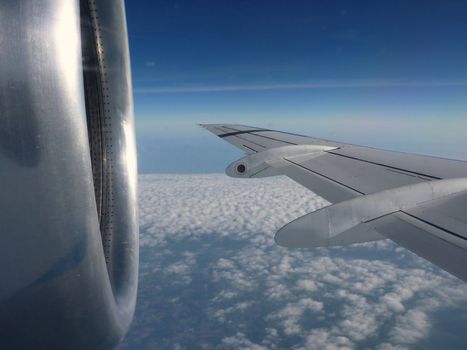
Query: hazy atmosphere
x=386 y=74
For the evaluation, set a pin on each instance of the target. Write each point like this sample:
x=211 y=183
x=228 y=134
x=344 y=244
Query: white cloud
x=320 y=339
x=410 y=327
x=388 y=346
x=307 y=285
x=223 y=313
x=290 y=314
x=241 y=342
x=176 y=207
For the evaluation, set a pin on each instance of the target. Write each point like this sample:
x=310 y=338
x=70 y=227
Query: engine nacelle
x=263 y=164
x=68 y=202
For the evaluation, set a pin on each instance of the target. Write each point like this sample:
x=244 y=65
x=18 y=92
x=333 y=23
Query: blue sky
x=386 y=74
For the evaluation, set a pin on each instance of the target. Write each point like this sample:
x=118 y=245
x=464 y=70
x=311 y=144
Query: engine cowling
x=68 y=204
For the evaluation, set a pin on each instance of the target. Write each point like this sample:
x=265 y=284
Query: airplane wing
x=417 y=201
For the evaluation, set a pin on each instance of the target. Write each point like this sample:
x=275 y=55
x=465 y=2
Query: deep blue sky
x=389 y=74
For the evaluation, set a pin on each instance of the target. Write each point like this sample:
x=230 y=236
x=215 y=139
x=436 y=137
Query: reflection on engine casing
x=68 y=210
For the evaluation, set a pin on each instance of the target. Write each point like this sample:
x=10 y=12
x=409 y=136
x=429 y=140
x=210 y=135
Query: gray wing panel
x=447 y=213
x=418 y=165
x=246 y=146
x=298 y=139
x=361 y=177
x=429 y=241
x=235 y=135
x=330 y=190
x=261 y=138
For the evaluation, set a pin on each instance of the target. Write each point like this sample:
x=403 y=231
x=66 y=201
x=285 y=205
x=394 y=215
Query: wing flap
x=427 y=241
x=332 y=191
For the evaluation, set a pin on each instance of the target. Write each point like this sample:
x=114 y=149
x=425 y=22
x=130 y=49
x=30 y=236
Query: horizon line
x=352 y=84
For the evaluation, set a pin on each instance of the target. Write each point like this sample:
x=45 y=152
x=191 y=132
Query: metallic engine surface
x=57 y=290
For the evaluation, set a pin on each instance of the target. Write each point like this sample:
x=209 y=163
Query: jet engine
x=68 y=198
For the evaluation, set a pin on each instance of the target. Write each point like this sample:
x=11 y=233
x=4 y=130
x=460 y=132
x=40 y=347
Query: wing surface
x=434 y=227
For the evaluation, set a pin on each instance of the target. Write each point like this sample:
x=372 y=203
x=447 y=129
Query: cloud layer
x=212 y=277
